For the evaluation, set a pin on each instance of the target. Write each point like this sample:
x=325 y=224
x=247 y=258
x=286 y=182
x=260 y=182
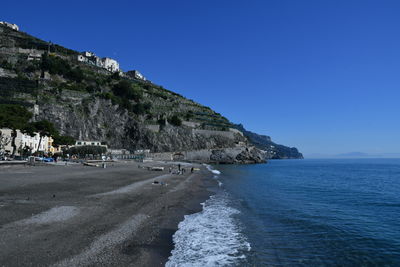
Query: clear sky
x=323 y=76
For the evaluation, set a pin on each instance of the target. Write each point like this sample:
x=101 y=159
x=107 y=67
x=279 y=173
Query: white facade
x=136 y=75
x=10 y=25
x=34 y=56
x=82 y=58
x=110 y=64
x=23 y=140
x=88 y=54
x=106 y=63
x=88 y=143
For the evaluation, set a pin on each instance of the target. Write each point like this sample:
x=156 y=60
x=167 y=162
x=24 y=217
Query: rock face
x=272 y=150
x=242 y=155
x=98 y=119
x=91 y=104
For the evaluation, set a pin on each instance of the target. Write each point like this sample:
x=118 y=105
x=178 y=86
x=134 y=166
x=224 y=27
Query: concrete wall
x=236 y=131
x=153 y=127
x=7 y=73
x=191 y=124
x=198 y=155
x=161 y=156
x=208 y=133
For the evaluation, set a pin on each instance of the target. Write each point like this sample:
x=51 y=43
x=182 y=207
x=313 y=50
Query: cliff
x=91 y=103
x=272 y=150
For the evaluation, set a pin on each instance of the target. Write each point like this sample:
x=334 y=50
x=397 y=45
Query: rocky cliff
x=272 y=150
x=91 y=103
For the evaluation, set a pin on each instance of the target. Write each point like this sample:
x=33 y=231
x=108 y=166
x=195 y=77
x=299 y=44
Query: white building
x=10 y=25
x=82 y=58
x=106 y=63
x=136 y=75
x=34 y=56
x=26 y=141
x=110 y=64
x=88 y=143
x=89 y=54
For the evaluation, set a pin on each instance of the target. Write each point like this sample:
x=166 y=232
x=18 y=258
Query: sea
x=322 y=212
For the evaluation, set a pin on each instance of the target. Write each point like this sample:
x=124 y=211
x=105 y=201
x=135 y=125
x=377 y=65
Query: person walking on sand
x=191 y=170
x=179 y=167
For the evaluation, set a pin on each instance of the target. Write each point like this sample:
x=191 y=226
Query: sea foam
x=211 y=237
x=212 y=170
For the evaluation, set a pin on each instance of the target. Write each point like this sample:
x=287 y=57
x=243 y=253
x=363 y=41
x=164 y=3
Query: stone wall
x=191 y=124
x=153 y=127
x=236 y=131
x=167 y=156
x=209 y=133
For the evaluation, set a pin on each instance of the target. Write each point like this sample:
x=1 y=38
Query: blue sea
x=296 y=213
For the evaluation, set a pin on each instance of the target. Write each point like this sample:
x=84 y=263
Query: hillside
x=273 y=150
x=92 y=103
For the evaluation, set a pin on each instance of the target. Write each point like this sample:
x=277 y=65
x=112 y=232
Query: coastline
x=81 y=215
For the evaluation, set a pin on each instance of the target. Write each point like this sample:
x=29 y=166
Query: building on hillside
x=82 y=58
x=10 y=25
x=89 y=54
x=106 y=63
x=110 y=64
x=135 y=74
x=89 y=143
x=25 y=141
x=34 y=56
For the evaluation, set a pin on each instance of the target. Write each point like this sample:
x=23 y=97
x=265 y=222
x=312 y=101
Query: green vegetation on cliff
x=88 y=102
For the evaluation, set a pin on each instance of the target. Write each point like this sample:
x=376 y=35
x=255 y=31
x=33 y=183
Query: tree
x=175 y=120
x=122 y=88
x=83 y=151
x=14 y=117
x=63 y=140
x=127 y=90
x=4 y=140
x=44 y=128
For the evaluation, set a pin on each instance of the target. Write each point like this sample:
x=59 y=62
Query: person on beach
x=191 y=170
x=179 y=167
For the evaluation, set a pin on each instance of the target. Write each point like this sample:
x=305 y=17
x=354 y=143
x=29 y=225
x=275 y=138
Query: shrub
x=75 y=75
x=83 y=151
x=63 y=140
x=161 y=122
x=125 y=89
x=175 y=120
x=55 y=65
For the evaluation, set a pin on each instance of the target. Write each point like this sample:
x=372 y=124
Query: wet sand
x=86 y=216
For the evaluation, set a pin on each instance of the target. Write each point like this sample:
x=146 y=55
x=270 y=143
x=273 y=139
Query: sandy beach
x=89 y=216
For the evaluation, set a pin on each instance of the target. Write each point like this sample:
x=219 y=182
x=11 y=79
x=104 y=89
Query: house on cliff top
x=135 y=74
x=106 y=63
x=10 y=25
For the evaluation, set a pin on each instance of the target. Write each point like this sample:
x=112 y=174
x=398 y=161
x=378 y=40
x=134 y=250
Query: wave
x=211 y=237
x=212 y=170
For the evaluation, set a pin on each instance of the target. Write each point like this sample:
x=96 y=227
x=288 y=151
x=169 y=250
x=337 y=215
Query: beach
x=75 y=215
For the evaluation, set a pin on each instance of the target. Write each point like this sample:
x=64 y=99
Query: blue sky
x=319 y=75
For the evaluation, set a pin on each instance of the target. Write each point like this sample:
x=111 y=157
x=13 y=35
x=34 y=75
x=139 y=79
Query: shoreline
x=59 y=215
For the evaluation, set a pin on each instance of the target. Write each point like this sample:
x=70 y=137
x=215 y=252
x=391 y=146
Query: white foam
x=209 y=238
x=212 y=170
